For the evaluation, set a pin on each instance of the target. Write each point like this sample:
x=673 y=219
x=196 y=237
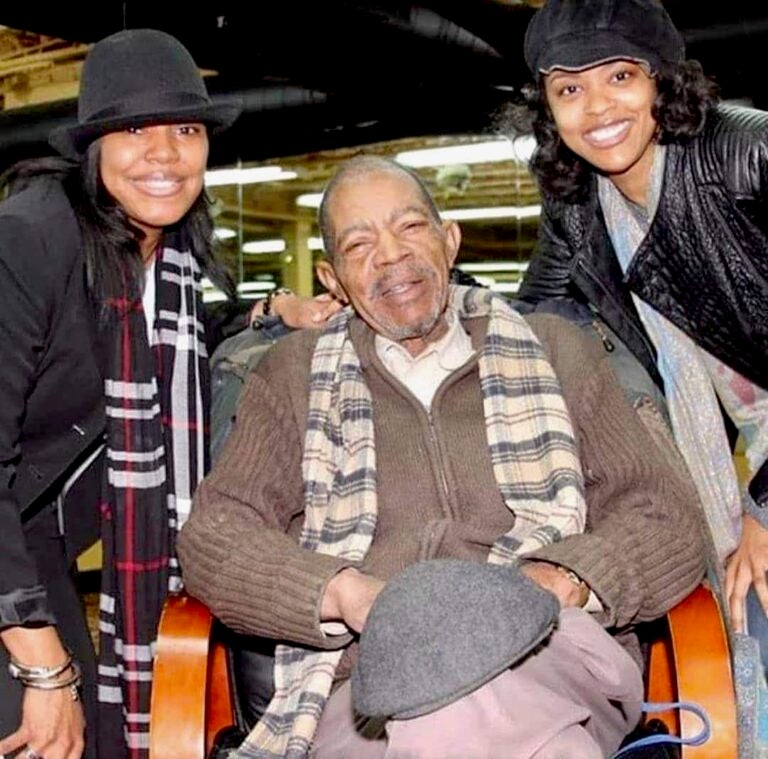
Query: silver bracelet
x=72 y=682
x=24 y=672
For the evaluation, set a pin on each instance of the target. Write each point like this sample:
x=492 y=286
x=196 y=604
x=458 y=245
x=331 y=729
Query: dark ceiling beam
x=24 y=131
x=320 y=75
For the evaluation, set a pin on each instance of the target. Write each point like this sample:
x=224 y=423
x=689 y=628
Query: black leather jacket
x=704 y=262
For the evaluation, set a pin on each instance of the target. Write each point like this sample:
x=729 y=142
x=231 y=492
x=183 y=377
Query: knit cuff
x=586 y=555
x=302 y=586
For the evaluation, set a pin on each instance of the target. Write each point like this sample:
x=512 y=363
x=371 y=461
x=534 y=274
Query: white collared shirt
x=424 y=373
x=149 y=297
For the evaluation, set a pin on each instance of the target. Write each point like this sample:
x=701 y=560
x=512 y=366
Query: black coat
x=704 y=262
x=51 y=385
x=51 y=389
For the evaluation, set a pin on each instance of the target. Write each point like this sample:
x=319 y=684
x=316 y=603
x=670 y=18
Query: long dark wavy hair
x=111 y=244
x=685 y=96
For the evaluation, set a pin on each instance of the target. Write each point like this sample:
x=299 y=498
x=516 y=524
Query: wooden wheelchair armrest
x=694 y=664
x=191 y=696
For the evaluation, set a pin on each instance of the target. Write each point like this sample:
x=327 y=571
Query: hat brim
x=73 y=141
x=574 y=52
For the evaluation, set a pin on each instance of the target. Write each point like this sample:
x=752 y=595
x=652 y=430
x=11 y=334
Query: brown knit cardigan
x=641 y=553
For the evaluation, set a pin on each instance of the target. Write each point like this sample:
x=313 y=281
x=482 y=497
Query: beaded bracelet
x=271 y=295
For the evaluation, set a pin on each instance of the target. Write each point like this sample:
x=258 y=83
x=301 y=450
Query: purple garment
x=577 y=697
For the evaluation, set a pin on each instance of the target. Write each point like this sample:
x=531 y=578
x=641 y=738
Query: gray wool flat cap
x=442 y=628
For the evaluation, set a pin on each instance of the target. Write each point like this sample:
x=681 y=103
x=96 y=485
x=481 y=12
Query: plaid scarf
x=534 y=458
x=156 y=406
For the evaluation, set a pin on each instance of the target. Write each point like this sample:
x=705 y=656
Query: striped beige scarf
x=534 y=458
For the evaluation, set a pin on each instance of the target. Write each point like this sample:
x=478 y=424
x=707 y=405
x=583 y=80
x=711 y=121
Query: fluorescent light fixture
x=475 y=152
x=523 y=147
x=247 y=290
x=264 y=246
x=211 y=293
x=224 y=233
x=491 y=267
x=255 y=287
x=493 y=212
x=219 y=177
x=309 y=200
x=505 y=287
x=488 y=282
x=517 y=149
x=315 y=243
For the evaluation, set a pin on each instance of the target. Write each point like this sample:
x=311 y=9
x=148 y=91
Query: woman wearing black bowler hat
x=104 y=389
x=654 y=216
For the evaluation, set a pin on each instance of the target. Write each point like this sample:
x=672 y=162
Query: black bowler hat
x=138 y=77
x=577 y=34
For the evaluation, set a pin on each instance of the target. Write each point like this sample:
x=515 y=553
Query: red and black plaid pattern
x=156 y=403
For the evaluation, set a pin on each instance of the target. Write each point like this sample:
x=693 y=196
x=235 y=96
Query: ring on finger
x=30 y=753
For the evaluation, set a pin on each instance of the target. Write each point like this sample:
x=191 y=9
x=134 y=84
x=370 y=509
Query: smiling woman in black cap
x=105 y=392
x=654 y=216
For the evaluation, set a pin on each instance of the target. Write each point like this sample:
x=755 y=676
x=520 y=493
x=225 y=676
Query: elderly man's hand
x=348 y=597
x=553 y=579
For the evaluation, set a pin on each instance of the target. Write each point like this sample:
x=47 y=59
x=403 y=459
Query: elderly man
x=431 y=421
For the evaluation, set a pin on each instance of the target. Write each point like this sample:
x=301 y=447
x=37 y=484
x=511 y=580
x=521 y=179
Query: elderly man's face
x=392 y=258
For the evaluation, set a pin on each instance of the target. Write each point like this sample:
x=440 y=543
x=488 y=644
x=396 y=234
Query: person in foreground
x=652 y=198
x=104 y=385
x=430 y=421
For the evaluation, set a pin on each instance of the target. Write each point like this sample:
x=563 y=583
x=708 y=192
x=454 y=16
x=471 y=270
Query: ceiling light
x=247 y=290
x=309 y=200
x=477 y=152
x=488 y=282
x=214 y=296
x=494 y=212
x=211 y=293
x=255 y=287
x=315 y=243
x=524 y=147
x=490 y=266
x=506 y=287
x=224 y=233
x=220 y=177
x=264 y=246
x=254 y=290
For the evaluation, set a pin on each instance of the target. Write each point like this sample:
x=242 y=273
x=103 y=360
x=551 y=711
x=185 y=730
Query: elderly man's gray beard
x=399 y=332
x=396 y=331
